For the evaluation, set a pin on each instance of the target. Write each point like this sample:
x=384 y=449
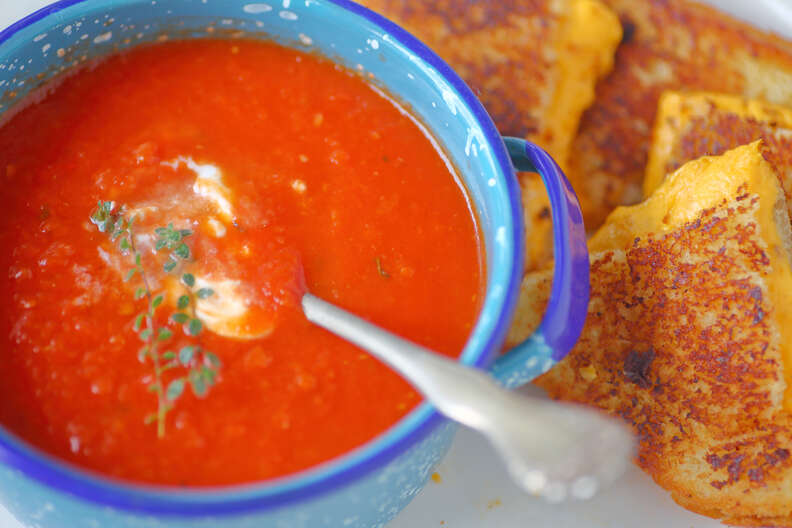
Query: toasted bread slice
x=691 y=125
x=668 y=45
x=688 y=334
x=534 y=65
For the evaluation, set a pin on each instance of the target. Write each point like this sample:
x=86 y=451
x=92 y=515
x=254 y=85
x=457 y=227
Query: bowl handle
x=566 y=311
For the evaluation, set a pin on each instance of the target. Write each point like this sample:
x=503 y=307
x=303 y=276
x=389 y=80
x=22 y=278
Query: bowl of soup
x=177 y=173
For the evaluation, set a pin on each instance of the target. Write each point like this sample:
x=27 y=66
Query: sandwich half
x=688 y=336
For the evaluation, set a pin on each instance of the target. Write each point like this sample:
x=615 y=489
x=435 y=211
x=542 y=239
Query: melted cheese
x=590 y=33
x=703 y=184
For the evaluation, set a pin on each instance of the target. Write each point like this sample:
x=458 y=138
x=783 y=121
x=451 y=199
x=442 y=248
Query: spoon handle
x=550 y=449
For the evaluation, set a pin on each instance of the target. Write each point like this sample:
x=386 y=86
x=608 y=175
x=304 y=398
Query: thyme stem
x=200 y=364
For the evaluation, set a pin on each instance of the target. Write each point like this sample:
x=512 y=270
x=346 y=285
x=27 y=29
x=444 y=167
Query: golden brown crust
x=715 y=133
x=668 y=44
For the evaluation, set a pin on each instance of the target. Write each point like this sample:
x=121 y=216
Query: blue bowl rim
x=164 y=500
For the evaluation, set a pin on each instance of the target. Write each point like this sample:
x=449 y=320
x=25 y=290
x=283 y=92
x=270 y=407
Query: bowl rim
x=327 y=476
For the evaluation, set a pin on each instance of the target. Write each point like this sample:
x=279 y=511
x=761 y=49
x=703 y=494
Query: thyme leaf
x=205 y=293
x=184 y=302
x=175 y=389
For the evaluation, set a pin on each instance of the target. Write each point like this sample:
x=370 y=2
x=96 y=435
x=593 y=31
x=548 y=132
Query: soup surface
x=270 y=165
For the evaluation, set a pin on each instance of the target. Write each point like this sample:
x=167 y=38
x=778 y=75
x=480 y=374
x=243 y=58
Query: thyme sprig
x=197 y=366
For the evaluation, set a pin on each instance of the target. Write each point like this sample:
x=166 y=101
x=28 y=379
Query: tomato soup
x=174 y=351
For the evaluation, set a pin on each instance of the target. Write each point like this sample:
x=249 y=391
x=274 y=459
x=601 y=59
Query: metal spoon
x=551 y=449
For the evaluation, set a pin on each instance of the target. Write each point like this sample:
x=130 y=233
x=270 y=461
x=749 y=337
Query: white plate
x=474 y=490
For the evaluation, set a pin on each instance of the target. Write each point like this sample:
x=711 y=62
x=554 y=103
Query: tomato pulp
x=279 y=161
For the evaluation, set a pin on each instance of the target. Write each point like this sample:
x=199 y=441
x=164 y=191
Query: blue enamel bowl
x=370 y=485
